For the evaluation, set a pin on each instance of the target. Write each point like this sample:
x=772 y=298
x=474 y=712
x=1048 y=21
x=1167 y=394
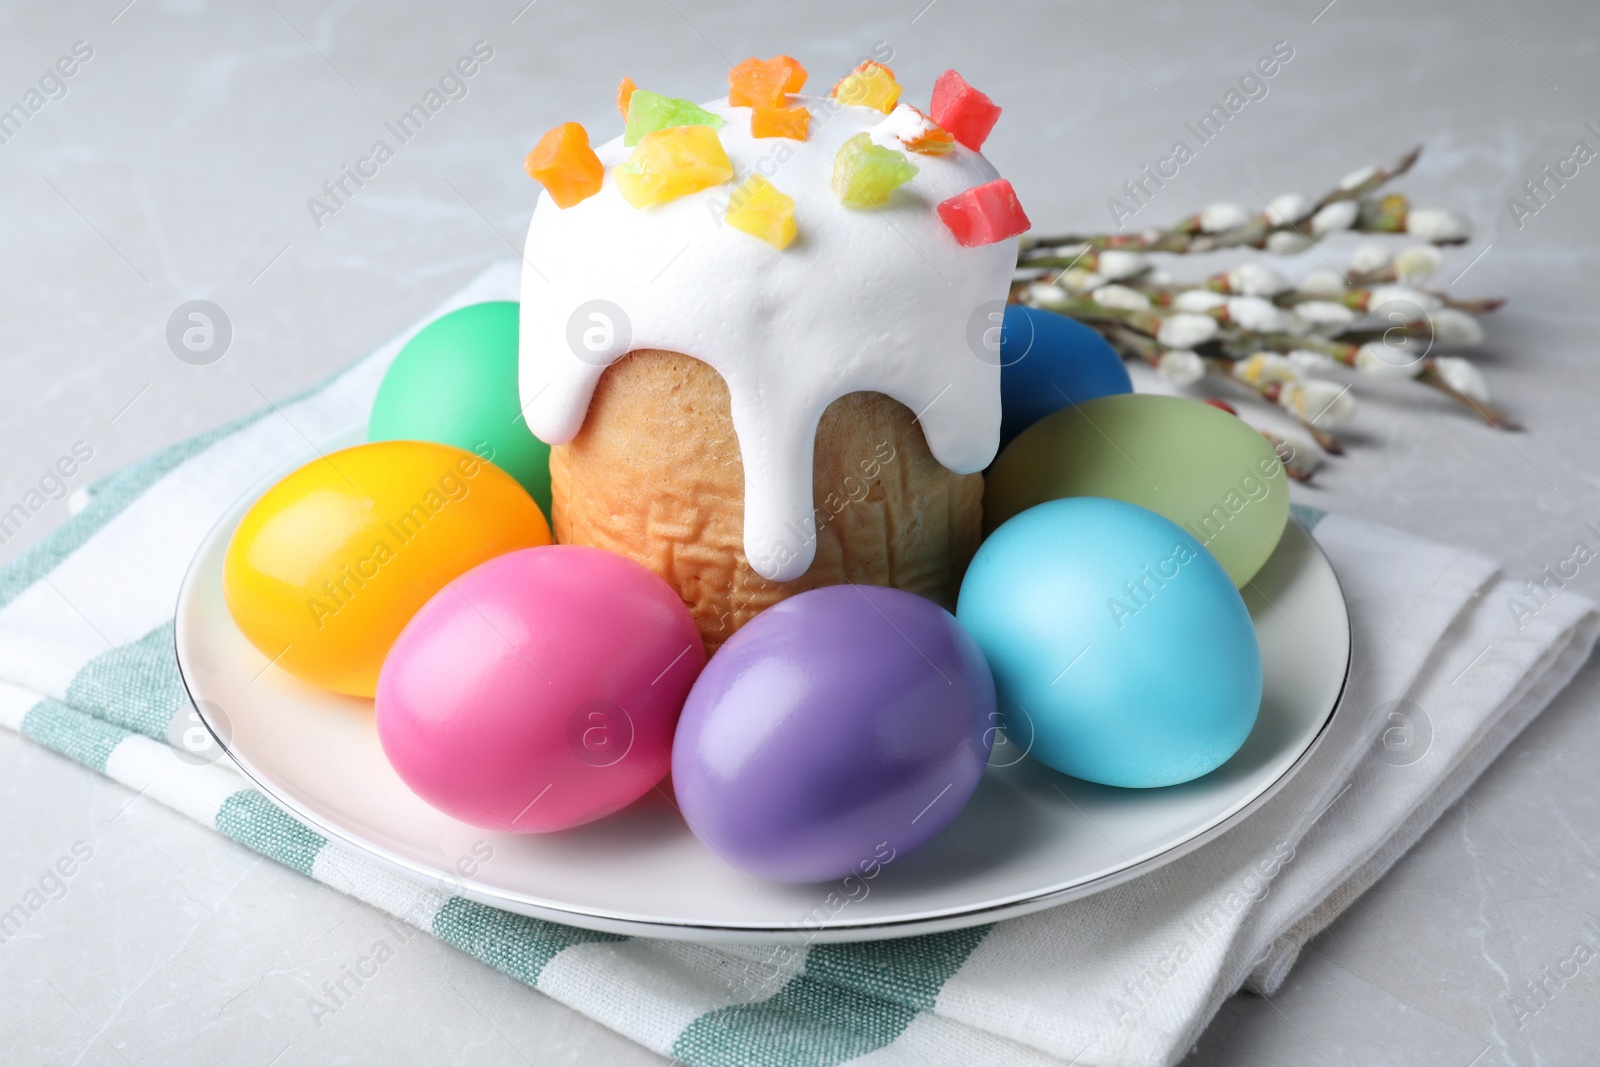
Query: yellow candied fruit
x=869 y=85
x=759 y=209
x=670 y=163
x=791 y=122
x=565 y=165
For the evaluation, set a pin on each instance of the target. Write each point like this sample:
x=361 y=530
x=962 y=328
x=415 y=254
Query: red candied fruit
x=963 y=110
x=984 y=214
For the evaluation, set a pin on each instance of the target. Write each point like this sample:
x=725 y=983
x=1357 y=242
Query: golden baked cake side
x=655 y=474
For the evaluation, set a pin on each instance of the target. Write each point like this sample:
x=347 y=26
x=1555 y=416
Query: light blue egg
x=1119 y=645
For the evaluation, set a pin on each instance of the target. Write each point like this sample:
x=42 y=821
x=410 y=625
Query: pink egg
x=539 y=690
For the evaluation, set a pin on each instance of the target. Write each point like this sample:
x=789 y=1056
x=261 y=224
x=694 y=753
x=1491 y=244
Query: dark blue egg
x=1048 y=362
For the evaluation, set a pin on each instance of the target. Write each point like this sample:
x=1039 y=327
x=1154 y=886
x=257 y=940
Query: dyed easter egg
x=1212 y=474
x=1118 y=638
x=327 y=566
x=1048 y=361
x=455 y=382
x=540 y=690
x=839 y=729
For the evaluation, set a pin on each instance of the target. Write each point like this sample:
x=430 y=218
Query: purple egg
x=839 y=729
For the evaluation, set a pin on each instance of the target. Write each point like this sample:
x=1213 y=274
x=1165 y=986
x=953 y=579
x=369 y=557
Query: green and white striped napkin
x=1130 y=976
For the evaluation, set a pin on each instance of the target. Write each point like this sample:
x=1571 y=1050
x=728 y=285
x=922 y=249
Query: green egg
x=455 y=382
x=1206 y=470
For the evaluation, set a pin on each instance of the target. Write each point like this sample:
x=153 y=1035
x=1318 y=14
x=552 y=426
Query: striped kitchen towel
x=1130 y=976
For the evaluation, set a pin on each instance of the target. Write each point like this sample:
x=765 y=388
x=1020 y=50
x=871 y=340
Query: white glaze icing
x=882 y=300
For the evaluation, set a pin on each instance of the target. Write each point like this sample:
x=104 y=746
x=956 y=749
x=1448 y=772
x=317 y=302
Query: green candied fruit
x=649 y=112
x=864 y=174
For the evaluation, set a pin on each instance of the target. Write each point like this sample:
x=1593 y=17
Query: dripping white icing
x=881 y=300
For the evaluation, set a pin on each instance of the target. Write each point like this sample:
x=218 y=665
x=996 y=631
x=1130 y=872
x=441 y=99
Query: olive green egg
x=1206 y=470
x=455 y=382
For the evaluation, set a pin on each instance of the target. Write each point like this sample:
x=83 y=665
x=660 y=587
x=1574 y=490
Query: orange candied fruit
x=625 y=90
x=869 y=85
x=565 y=165
x=928 y=138
x=791 y=122
x=760 y=83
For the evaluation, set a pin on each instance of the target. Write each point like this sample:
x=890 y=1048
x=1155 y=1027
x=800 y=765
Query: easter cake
x=751 y=344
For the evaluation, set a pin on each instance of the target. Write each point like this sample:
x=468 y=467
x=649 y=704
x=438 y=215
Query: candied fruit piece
x=984 y=214
x=797 y=74
x=762 y=83
x=648 y=112
x=869 y=85
x=565 y=165
x=670 y=163
x=864 y=174
x=961 y=109
x=791 y=122
x=934 y=142
x=625 y=90
x=922 y=135
x=759 y=209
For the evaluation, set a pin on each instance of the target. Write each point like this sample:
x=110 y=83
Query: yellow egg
x=325 y=570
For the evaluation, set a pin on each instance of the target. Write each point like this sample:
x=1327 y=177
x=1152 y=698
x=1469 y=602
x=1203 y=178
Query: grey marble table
x=176 y=163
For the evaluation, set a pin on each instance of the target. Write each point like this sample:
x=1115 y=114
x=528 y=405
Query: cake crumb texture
x=655 y=475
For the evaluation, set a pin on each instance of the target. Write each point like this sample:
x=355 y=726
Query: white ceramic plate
x=1030 y=838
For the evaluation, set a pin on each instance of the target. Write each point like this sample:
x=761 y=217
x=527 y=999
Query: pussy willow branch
x=1188 y=237
x=1134 y=331
x=1121 y=325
